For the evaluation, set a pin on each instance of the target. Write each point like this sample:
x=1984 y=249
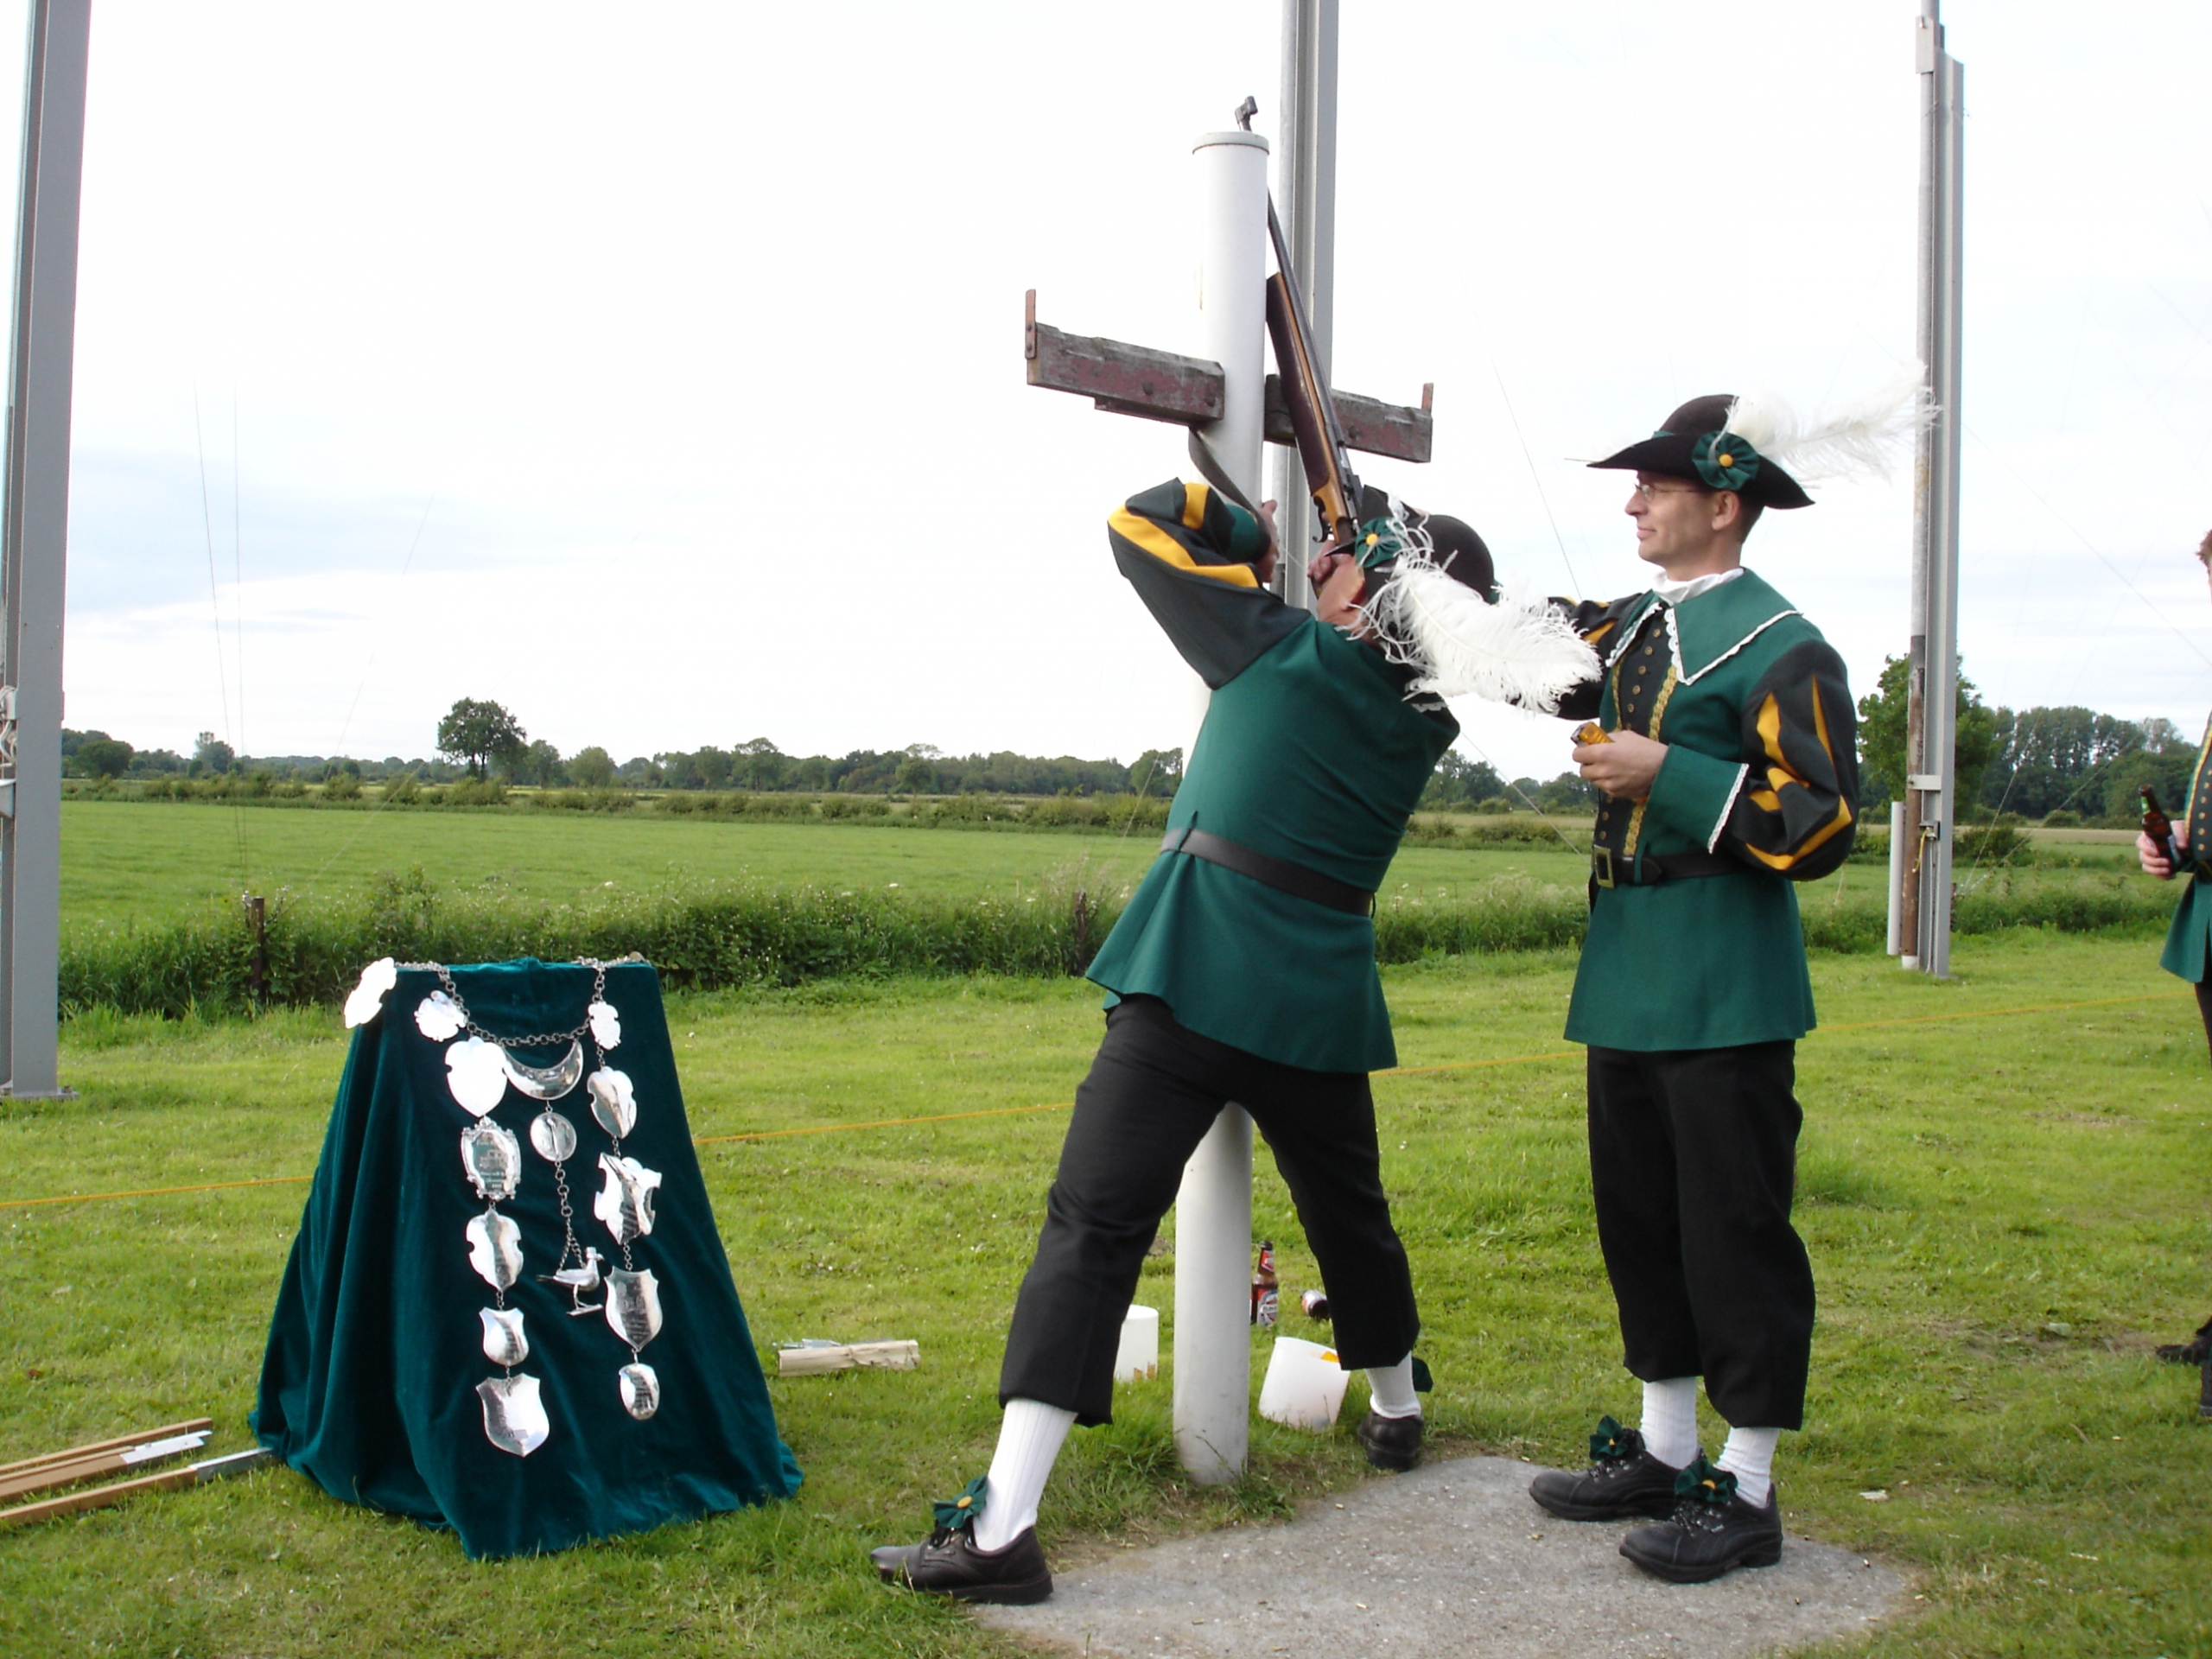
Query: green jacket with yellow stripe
x=1762 y=768
x=1310 y=754
x=2189 y=939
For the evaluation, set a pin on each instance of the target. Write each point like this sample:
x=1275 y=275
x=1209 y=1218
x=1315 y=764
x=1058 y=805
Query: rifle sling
x=1277 y=872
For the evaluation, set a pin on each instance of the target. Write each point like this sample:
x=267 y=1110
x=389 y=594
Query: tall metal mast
x=37 y=536
x=1306 y=203
x=1922 y=895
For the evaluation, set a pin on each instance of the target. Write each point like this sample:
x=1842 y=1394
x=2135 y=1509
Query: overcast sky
x=656 y=370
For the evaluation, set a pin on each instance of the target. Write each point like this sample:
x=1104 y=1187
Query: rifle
x=1321 y=446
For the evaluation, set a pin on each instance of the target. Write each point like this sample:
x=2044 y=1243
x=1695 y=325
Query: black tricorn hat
x=1695 y=443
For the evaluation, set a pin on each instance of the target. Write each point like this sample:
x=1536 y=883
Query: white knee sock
x=1390 y=1389
x=1749 y=1456
x=1030 y=1436
x=1670 y=1425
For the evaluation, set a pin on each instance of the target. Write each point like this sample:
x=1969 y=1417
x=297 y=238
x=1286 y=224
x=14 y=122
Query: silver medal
x=504 y=1342
x=554 y=1136
x=493 y=1158
x=625 y=1202
x=514 y=1416
x=476 y=1071
x=547 y=1082
x=495 y=1249
x=640 y=1391
x=612 y=1102
x=605 y=1024
x=633 y=1306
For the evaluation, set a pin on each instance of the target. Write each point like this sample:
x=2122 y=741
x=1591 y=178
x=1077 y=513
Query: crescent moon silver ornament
x=547 y=1082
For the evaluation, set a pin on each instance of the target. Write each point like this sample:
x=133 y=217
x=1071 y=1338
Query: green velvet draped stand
x=375 y=1351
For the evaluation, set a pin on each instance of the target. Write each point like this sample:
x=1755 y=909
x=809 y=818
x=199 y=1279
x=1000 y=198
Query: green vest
x=1719 y=961
x=1310 y=755
x=2189 y=939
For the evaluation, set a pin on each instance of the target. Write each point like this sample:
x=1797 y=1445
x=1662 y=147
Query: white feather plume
x=1517 y=651
x=1863 y=439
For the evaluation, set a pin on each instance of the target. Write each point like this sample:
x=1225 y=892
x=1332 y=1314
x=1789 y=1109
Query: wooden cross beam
x=1157 y=385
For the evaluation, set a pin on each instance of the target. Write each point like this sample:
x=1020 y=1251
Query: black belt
x=1278 y=872
x=1652 y=869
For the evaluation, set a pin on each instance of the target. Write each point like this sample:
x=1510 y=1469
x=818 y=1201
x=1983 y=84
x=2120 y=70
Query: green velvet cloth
x=369 y=1385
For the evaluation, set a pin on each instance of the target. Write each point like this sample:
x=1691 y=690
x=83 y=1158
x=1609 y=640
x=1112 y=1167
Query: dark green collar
x=1705 y=632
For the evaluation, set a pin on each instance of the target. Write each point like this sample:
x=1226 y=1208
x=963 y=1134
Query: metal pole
x=36 y=537
x=1306 y=202
x=1213 y=1210
x=1922 y=897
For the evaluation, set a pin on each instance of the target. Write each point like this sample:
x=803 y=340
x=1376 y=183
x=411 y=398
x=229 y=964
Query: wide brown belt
x=1263 y=867
x=1653 y=868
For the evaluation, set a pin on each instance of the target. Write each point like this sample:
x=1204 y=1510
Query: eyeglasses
x=1651 y=491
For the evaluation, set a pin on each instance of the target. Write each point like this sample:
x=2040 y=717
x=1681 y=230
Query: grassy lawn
x=2005 y=1209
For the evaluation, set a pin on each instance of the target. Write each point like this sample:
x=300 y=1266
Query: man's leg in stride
x=1321 y=1127
x=1140 y=1113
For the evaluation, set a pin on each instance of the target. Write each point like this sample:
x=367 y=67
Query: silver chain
x=542 y=1040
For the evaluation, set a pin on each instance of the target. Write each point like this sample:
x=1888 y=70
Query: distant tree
x=592 y=767
x=1567 y=793
x=1156 y=772
x=759 y=764
x=478 y=733
x=1882 y=734
x=94 y=754
x=213 y=755
x=1460 y=782
x=540 y=764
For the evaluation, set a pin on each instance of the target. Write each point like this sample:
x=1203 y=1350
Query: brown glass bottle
x=1267 y=1295
x=2157 y=825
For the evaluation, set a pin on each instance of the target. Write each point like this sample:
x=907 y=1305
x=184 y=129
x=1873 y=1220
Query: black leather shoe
x=2204 y=1392
x=2195 y=1351
x=1624 y=1479
x=951 y=1565
x=1712 y=1530
x=1392 y=1443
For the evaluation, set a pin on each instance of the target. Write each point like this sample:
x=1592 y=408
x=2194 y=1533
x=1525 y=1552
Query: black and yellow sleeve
x=1189 y=554
x=1796 y=808
x=1597 y=621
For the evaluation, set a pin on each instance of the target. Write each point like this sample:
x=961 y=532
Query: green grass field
x=122 y=862
x=2002 y=1189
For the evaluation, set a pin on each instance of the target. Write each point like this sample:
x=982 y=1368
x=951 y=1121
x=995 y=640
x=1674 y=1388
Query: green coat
x=1311 y=753
x=1761 y=766
x=2189 y=939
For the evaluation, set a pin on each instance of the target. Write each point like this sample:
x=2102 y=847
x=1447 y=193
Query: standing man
x=1244 y=969
x=1728 y=762
x=2188 y=955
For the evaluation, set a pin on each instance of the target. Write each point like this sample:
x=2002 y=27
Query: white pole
x=1306 y=201
x=1897 y=866
x=1213 y=1211
x=42 y=373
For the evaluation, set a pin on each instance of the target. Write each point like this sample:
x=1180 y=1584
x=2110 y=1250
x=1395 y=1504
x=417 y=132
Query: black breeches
x=2203 y=989
x=1155 y=1089
x=1693 y=1159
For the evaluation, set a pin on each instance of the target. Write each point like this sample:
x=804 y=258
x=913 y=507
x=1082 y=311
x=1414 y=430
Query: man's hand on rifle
x=1265 y=569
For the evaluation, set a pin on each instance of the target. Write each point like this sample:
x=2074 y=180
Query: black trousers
x=2203 y=989
x=1694 y=1160
x=1155 y=1089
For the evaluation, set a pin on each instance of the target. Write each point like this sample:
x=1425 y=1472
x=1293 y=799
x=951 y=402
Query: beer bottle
x=1267 y=1296
x=2158 y=826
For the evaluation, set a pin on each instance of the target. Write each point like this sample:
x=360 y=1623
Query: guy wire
x=1535 y=477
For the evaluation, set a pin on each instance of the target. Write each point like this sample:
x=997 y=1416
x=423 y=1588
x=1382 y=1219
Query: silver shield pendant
x=553 y=1136
x=495 y=1249
x=514 y=1416
x=640 y=1391
x=493 y=1158
x=625 y=1202
x=633 y=1306
x=504 y=1342
x=547 y=1082
x=613 y=1103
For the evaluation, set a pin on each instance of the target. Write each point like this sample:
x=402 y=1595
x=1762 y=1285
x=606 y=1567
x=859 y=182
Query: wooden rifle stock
x=1336 y=492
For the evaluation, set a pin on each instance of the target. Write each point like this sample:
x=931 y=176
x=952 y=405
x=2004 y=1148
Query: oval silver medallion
x=493 y=1157
x=640 y=1391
